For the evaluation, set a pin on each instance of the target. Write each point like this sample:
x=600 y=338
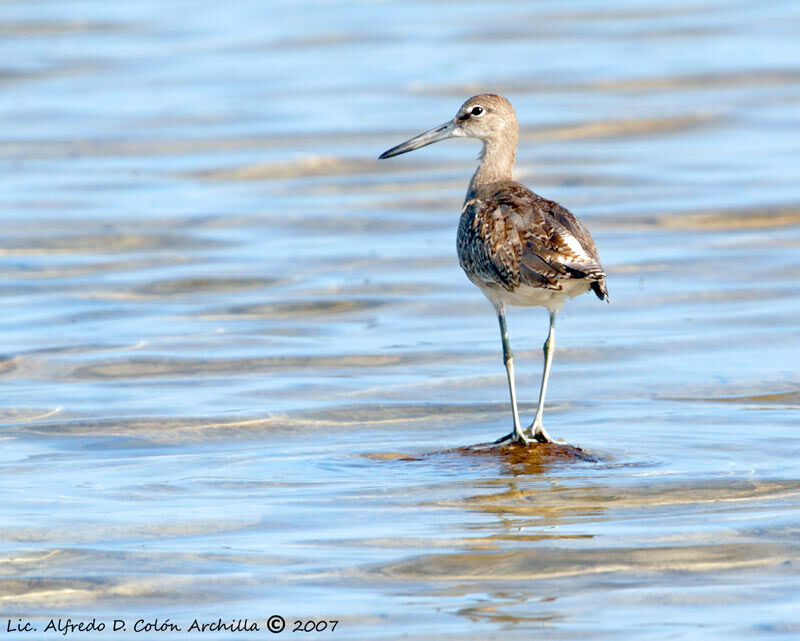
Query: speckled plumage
x=510 y=237
x=517 y=247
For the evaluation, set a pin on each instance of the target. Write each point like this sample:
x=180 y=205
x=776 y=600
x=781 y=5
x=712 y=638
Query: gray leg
x=518 y=435
x=537 y=429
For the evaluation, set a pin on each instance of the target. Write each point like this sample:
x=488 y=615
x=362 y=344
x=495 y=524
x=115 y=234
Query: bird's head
x=487 y=117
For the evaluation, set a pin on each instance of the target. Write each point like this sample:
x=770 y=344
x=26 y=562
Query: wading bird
x=517 y=247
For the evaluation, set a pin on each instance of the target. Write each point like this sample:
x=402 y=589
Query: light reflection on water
x=244 y=375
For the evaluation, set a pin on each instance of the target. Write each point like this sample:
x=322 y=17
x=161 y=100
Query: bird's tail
x=599 y=288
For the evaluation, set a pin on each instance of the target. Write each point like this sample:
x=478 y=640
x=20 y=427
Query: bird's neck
x=497 y=163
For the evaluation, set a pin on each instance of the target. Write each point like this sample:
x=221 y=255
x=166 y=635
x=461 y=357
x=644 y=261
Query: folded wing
x=511 y=236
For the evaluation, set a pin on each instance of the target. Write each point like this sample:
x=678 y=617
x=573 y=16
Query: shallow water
x=244 y=375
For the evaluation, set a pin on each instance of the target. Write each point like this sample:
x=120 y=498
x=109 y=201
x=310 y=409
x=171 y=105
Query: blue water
x=243 y=374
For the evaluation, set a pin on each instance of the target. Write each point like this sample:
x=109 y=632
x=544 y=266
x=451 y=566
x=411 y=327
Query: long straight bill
x=429 y=137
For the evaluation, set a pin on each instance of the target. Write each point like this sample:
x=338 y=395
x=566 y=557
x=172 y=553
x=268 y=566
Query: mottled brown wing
x=529 y=239
x=489 y=244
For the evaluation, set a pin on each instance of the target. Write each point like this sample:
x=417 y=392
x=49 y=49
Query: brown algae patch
x=519 y=459
x=533 y=454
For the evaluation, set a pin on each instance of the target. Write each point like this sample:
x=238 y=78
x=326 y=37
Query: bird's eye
x=477 y=111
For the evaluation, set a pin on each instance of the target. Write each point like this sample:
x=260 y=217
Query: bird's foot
x=515 y=437
x=540 y=434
